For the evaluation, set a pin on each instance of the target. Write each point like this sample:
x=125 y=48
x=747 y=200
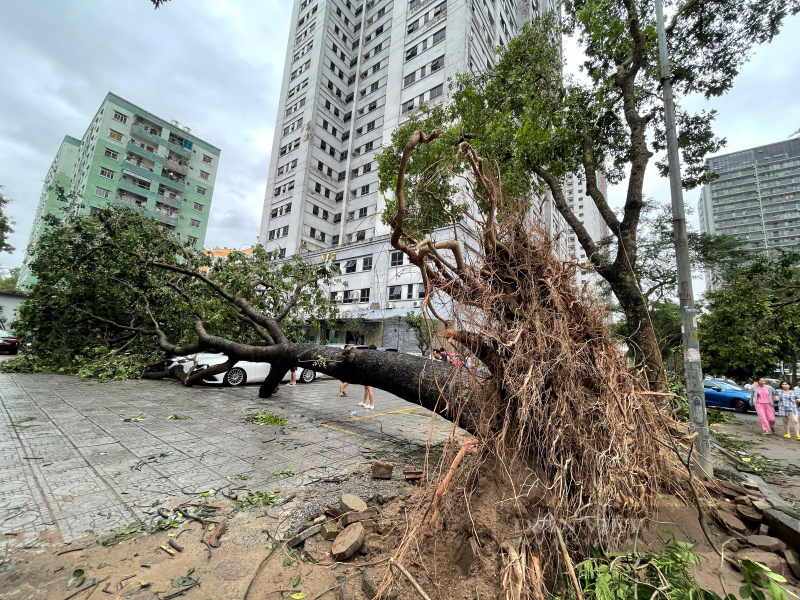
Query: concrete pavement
x=70 y=462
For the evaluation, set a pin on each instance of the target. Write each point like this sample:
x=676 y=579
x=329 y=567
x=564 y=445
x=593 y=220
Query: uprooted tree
x=538 y=125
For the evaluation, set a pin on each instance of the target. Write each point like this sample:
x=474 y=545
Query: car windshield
x=4 y=333
x=727 y=386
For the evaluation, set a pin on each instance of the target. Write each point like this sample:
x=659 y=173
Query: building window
x=192 y=240
x=348 y=297
x=395 y=292
x=364 y=295
x=201 y=190
x=337 y=218
x=118 y=116
x=366 y=263
x=420 y=290
x=107 y=173
x=437 y=64
x=335 y=240
x=204 y=175
x=350 y=266
x=101 y=192
x=438 y=36
x=115 y=135
x=194 y=223
x=361 y=235
x=111 y=154
x=206 y=159
x=437 y=91
x=334 y=297
x=364 y=190
x=362 y=212
x=198 y=207
x=408 y=106
x=396 y=259
x=410 y=78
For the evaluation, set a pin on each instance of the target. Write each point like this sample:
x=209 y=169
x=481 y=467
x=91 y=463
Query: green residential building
x=59 y=175
x=130 y=157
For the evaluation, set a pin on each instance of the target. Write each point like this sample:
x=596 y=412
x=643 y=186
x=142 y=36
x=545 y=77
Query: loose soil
x=252 y=563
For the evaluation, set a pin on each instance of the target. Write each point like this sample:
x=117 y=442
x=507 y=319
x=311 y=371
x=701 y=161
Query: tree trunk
x=641 y=335
x=418 y=380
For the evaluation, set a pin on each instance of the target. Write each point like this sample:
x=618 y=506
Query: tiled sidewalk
x=68 y=461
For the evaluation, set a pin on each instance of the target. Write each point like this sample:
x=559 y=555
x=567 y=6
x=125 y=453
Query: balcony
x=162 y=218
x=131 y=186
x=148 y=134
x=173 y=165
x=178 y=149
x=169 y=201
x=140 y=150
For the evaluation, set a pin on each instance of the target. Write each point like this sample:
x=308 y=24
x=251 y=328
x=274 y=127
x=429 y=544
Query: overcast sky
x=216 y=66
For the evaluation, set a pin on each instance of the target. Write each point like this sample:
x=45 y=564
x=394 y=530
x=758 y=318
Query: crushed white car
x=242 y=372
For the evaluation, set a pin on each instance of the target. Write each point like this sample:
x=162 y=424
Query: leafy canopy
x=103 y=283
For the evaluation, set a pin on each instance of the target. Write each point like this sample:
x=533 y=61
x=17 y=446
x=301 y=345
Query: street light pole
x=691 y=344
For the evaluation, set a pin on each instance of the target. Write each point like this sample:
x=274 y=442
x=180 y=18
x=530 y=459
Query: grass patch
x=262 y=418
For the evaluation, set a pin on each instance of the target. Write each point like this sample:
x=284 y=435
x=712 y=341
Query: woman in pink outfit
x=761 y=396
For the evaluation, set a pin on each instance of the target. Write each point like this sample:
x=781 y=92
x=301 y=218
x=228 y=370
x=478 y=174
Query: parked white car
x=242 y=372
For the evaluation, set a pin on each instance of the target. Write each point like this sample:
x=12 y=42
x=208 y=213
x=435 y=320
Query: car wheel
x=14 y=351
x=307 y=376
x=741 y=406
x=236 y=376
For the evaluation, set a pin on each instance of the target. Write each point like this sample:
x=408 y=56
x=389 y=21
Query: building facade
x=130 y=157
x=59 y=175
x=353 y=72
x=756 y=196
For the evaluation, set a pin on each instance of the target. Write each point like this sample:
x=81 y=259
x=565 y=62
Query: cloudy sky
x=216 y=66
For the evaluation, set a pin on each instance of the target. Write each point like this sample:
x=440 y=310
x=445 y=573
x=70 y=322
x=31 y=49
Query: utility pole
x=691 y=344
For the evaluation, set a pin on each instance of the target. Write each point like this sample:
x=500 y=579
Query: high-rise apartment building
x=59 y=175
x=756 y=196
x=586 y=210
x=130 y=157
x=354 y=70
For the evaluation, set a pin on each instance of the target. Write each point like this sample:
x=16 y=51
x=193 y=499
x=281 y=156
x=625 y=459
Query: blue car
x=725 y=394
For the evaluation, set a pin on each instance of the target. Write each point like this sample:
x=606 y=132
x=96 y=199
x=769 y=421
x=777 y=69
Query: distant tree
x=6 y=224
x=9 y=284
x=753 y=322
x=417 y=323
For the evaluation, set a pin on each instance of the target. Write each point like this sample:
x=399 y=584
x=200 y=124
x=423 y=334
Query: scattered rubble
x=382 y=469
x=352 y=503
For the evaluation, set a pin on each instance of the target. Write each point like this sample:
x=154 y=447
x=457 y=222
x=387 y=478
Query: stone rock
x=470 y=552
x=731 y=490
x=744 y=500
x=748 y=515
x=764 y=542
x=329 y=531
x=775 y=563
x=793 y=560
x=733 y=545
x=382 y=470
x=303 y=536
x=348 y=542
x=320 y=519
x=763 y=529
x=355 y=517
x=351 y=590
x=352 y=503
x=749 y=485
x=371 y=580
x=318 y=550
x=731 y=523
x=761 y=505
x=784 y=526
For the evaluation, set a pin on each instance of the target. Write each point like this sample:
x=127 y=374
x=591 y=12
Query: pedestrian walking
x=787 y=408
x=368 y=395
x=761 y=398
x=343 y=384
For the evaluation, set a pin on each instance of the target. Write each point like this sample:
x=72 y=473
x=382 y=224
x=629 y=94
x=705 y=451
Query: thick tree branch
x=295 y=298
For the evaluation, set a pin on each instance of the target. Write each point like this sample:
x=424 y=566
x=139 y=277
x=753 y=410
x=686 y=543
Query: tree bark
x=641 y=335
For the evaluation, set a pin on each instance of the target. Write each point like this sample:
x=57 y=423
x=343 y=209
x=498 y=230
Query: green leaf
x=296 y=581
x=77 y=579
x=287 y=562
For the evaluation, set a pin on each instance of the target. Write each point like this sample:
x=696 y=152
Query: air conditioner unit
x=417 y=303
x=389 y=305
